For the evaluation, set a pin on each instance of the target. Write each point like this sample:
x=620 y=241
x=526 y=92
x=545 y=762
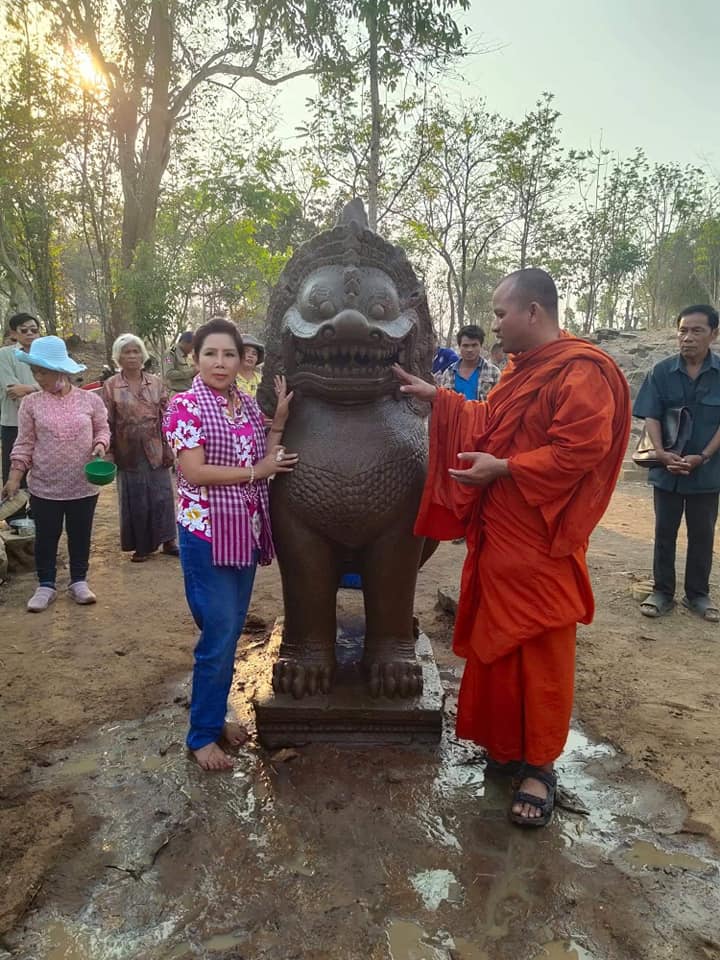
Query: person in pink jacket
x=60 y=428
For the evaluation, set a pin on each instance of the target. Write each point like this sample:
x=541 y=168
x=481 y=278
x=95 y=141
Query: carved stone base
x=348 y=714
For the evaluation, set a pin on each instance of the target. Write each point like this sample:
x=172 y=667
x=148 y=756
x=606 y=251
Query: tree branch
x=210 y=69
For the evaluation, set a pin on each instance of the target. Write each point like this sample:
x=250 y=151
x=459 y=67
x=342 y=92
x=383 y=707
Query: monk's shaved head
x=532 y=285
x=525 y=308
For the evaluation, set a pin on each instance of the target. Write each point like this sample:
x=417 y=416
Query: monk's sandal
x=545 y=806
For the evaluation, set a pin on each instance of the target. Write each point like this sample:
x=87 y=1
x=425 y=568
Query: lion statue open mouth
x=348 y=306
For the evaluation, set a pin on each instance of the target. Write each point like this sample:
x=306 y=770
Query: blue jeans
x=218 y=598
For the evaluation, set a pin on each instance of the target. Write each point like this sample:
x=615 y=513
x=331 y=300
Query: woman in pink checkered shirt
x=224 y=464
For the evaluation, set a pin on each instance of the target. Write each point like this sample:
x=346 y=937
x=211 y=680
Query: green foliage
x=458 y=204
x=34 y=120
x=706 y=256
x=410 y=35
x=671 y=198
x=150 y=288
x=140 y=198
x=392 y=41
x=535 y=168
x=224 y=238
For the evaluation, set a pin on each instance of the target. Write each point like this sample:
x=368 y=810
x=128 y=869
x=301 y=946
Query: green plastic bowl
x=99 y=472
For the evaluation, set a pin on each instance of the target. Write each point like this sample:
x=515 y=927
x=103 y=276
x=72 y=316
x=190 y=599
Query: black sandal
x=656 y=605
x=703 y=607
x=546 y=806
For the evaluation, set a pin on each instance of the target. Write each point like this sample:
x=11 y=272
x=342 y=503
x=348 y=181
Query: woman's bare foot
x=213 y=757
x=234 y=734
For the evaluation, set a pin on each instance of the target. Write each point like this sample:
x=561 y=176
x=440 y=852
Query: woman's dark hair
x=216 y=325
x=704 y=308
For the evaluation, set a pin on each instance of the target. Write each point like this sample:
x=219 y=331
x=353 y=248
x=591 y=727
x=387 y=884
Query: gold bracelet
x=252 y=473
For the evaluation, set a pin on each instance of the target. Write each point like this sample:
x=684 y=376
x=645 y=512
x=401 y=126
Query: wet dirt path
x=122 y=849
x=336 y=854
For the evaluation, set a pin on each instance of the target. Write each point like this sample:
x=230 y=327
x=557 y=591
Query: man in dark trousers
x=687 y=483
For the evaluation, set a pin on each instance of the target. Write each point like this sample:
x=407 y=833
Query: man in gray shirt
x=16 y=381
x=689 y=482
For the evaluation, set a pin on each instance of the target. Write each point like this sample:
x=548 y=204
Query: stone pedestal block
x=348 y=714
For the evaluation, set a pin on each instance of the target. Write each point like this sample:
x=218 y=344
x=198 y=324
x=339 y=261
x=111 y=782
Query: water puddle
x=217 y=944
x=79 y=767
x=563 y=950
x=462 y=773
x=581 y=752
x=408 y=941
x=436 y=886
x=644 y=854
x=63 y=945
x=77 y=941
x=466 y=950
x=281 y=853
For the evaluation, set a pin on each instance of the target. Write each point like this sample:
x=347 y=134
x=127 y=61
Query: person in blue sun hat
x=60 y=428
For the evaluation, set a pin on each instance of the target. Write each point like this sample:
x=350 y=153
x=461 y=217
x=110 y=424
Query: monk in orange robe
x=524 y=477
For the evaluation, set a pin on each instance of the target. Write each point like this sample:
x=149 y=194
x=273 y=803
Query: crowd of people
x=525 y=448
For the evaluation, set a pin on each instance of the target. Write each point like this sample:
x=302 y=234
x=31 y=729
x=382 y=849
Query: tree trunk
x=628 y=316
x=141 y=176
x=374 y=157
x=21 y=295
x=524 y=241
x=44 y=270
x=451 y=300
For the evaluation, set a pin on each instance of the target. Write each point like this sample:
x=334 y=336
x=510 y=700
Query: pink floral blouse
x=57 y=434
x=184 y=431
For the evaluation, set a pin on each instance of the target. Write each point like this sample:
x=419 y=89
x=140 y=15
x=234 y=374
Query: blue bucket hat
x=50 y=353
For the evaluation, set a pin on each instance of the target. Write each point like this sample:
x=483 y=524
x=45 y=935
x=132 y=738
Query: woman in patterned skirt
x=136 y=402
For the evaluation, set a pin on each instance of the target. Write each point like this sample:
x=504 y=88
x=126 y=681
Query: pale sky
x=636 y=72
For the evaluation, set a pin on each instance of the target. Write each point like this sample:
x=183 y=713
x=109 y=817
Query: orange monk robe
x=561 y=416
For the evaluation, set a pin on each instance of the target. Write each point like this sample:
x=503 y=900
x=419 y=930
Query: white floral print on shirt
x=184 y=431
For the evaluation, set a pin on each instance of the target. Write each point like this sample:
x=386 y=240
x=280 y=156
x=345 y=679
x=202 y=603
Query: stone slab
x=632 y=473
x=633 y=476
x=348 y=714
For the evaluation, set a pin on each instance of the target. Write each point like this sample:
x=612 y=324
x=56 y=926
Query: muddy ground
x=113 y=846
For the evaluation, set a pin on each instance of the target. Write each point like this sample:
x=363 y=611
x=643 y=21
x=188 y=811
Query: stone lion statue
x=348 y=306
